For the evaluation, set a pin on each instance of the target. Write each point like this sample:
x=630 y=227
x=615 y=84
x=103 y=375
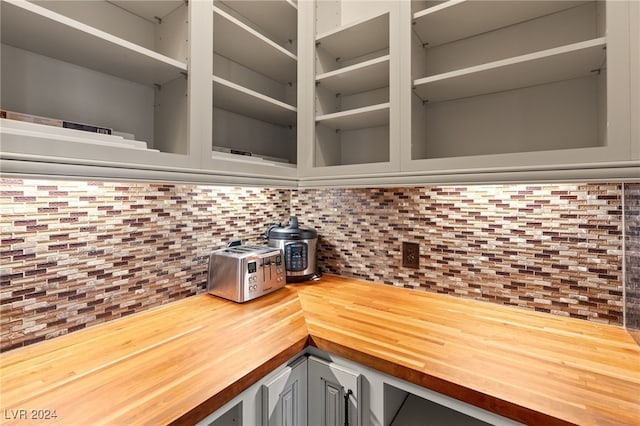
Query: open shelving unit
x=509 y=77
x=390 y=89
x=98 y=62
x=255 y=81
x=352 y=93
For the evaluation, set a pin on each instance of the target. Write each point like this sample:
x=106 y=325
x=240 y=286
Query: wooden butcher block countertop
x=180 y=362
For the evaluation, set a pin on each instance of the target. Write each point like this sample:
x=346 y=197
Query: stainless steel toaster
x=242 y=273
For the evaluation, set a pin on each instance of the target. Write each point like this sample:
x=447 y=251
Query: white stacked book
x=28 y=125
x=249 y=157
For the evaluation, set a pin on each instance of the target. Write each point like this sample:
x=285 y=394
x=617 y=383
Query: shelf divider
x=561 y=63
x=235 y=98
x=359 y=118
x=361 y=77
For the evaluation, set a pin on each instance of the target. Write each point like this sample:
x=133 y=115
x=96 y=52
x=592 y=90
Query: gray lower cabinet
x=319 y=389
x=284 y=398
x=334 y=393
x=280 y=399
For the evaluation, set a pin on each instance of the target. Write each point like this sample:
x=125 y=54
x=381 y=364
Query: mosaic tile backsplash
x=75 y=254
x=632 y=257
x=552 y=248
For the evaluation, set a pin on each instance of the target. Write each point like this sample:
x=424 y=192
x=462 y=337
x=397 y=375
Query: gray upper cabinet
x=121 y=65
x=351 y=78
x=255 y=75
x=317 y=93
x=518 y=86
x=197 y=91
x=483 y=91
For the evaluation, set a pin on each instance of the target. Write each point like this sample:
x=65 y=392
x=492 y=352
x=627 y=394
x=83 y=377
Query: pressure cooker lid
x=291 y=232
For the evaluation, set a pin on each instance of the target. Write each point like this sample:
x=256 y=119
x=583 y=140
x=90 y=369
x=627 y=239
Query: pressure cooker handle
x=266 y=234
x=293 y=222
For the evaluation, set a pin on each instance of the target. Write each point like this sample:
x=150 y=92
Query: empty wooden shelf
x=562 y=63
x=235 y=98
x=244 y=45
x=278 y=18
x=356 y=39
x=458 y=19
x=368 y=75
x=149 y=9
x=359 y=118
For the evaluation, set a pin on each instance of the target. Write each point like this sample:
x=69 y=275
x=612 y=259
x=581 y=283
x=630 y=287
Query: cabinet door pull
x=346 y=407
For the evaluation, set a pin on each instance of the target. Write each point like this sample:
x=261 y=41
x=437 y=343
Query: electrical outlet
x=411 y=255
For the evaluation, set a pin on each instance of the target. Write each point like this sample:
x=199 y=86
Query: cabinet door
x=284 y=399
x=334 y=393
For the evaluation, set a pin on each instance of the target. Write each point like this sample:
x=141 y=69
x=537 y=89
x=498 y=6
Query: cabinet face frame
x=618 y=148
x=308 y=155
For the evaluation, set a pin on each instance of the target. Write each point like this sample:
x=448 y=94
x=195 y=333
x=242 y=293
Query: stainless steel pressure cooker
x=298 y=247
